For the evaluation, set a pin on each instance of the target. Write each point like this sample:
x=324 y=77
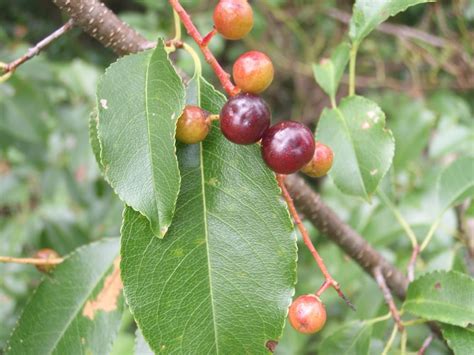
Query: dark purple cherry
x=287 y=147
x=245 y=118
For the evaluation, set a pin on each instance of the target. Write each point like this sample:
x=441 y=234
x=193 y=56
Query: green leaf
x=456 y=183
x=221 y=282
x=460 y=340
x=351 y=338
x=140 y=99
x=443 y=296
x=328 y=72
x=76 y=309
x=368 y=14
x=363 y=147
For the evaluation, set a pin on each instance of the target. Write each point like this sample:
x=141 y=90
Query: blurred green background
x=52 y=194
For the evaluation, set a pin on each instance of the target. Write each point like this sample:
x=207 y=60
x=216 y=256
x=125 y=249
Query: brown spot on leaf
x=437 y=285
x=271 y=345
x=107 y=298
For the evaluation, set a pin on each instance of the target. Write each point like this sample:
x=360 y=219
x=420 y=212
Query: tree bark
x=94 y=18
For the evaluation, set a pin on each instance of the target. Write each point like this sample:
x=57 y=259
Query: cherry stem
x=329 y=281
x=426 y=344
x=221 y=74
x=380 y=279
x=412 y=263
x=31 y=261
x=207 y=38
x=33 y=51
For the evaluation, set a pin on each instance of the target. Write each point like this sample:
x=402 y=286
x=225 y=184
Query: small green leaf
x=70 y=312
x=456 y=183
x=447 y=297
x=221 y=282
x=351 y=338
x=460 y=340
x=140 y=99
x=363 y=147
x=328 y=72
x=368 y=14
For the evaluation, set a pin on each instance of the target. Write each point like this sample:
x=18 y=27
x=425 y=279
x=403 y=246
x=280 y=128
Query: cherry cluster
x=287 y=146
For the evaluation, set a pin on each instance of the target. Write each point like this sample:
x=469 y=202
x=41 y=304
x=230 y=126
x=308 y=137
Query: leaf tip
x=163 y=231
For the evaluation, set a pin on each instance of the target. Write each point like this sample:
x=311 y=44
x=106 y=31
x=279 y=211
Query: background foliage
x=52 y=194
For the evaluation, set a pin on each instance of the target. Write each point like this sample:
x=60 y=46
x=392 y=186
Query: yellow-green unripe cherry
x=193 y=125
x=233 y=19
x=253 y=72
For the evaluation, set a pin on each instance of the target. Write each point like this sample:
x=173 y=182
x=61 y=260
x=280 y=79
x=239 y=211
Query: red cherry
x=245 y=118
x=321 y=162
x=193 y=125
x=253 y=72
x=46 y=254
x=233 y=19
x=307 y=314
x=287 y=147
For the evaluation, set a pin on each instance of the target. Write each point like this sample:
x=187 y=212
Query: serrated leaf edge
x=105 y=168
x=466 y=278
x=368 y=196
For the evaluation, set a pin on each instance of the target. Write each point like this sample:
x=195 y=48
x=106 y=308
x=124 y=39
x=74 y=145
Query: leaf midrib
x=155 y=193
x=206 y=233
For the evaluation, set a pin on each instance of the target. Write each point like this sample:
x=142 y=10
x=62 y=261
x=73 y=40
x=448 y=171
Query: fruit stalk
x=329 y=281
x=222 y=75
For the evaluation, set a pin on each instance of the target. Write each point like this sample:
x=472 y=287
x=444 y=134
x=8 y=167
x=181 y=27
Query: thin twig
x=426 y=344
x=31 y=261
x=408 y=230
x=390 y=340
x=329 y=281
x=399 y=217
x=412 y=264
x=33 y=51
x=403 y=342
x=380 y=279
x=221 y=74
